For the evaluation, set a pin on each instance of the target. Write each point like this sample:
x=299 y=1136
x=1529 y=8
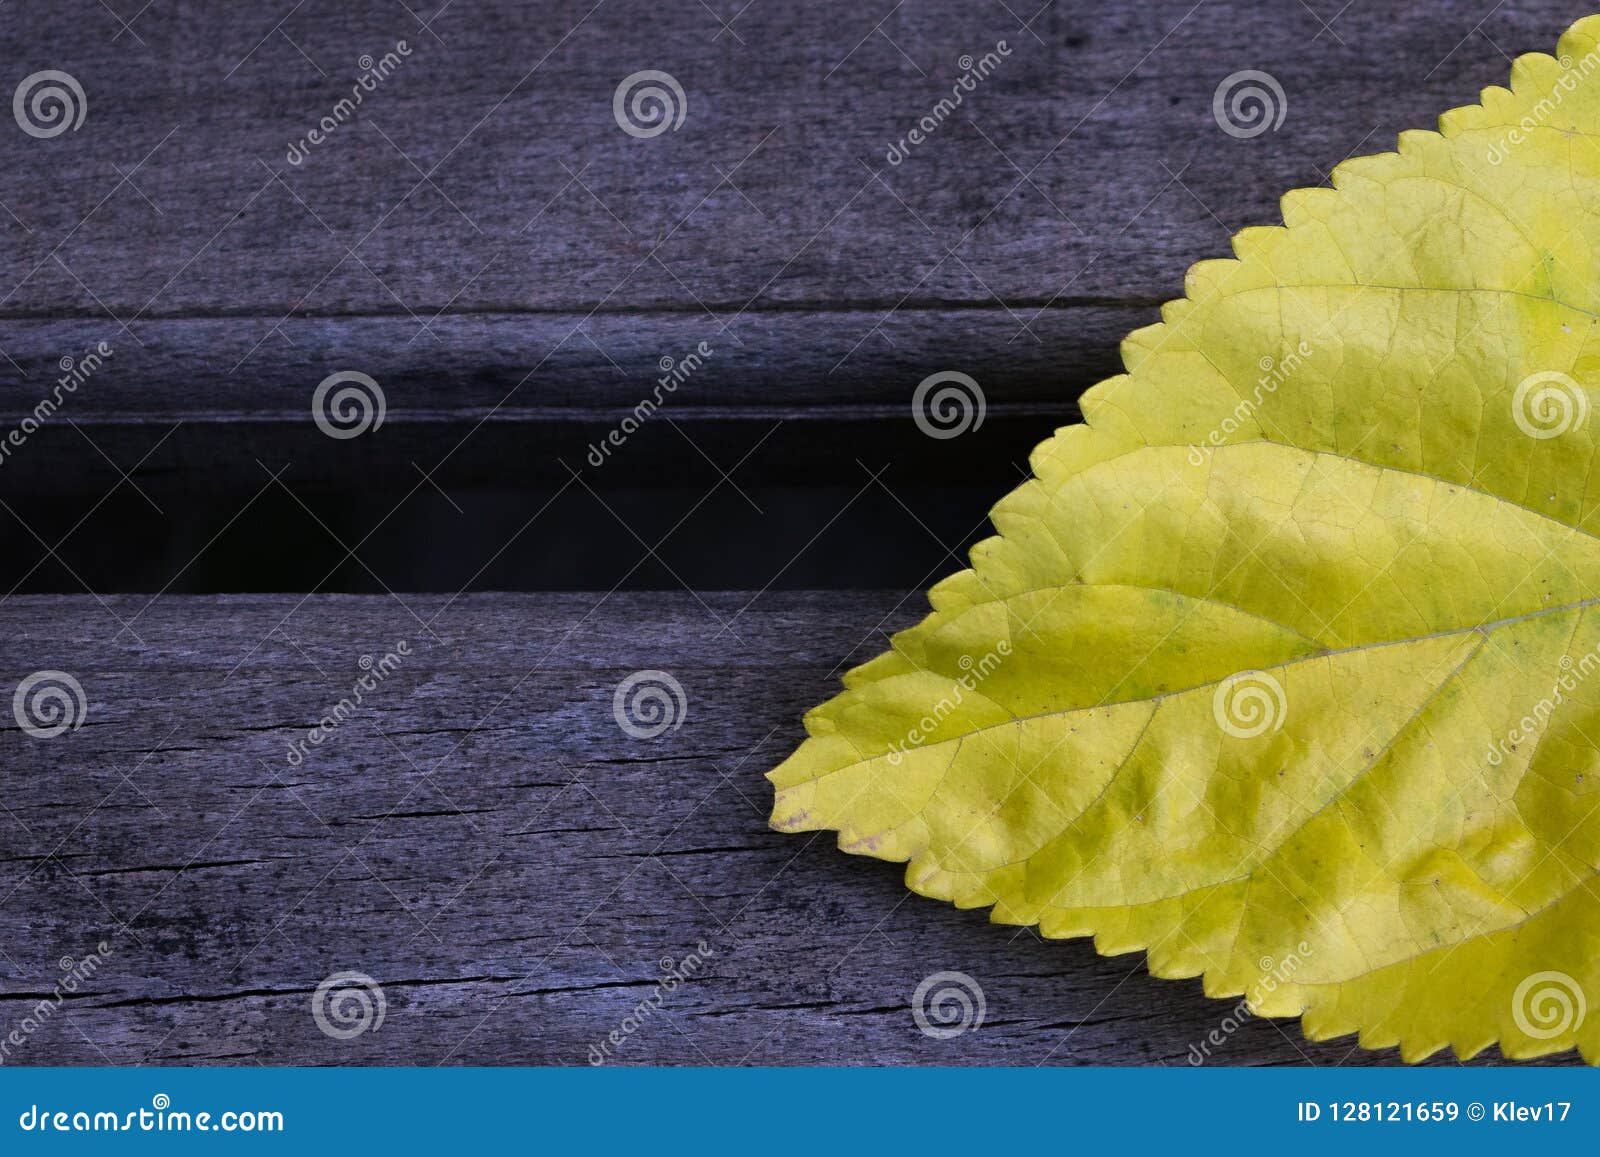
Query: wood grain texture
x=457 y=184
x=482 y=839
x=482 y=233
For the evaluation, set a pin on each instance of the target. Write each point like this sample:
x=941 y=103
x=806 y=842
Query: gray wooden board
x=483 y=840
x=505 y=105
x=482 y=235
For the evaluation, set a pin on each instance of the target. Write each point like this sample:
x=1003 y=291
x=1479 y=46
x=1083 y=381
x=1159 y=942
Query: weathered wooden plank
x=482 y=839
x=549 y=261
x=487 y=171
x=537 y=368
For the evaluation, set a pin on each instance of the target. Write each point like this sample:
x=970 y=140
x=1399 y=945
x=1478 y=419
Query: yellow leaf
x=1285 y=666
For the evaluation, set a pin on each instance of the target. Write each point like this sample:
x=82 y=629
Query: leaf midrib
x=1485 y=629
